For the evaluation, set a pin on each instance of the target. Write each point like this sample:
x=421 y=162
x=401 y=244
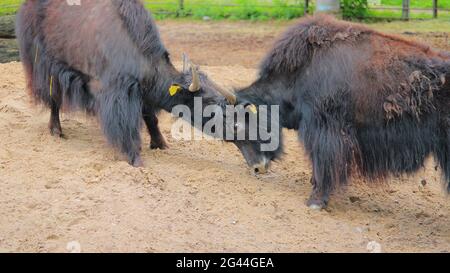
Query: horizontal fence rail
x=411 y=9
x=185 y=5
x=272 y=8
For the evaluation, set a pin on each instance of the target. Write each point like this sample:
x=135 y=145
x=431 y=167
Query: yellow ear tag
x=174 y=89
x=51 y=86
x=252 y=108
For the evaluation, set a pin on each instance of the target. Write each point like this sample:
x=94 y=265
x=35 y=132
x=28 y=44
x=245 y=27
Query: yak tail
x=54 y=81
x=49 y=80
x=25 y=33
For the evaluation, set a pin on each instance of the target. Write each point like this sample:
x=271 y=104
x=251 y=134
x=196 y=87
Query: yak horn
x=185 y=61
x=229 y=95
x=195 y=85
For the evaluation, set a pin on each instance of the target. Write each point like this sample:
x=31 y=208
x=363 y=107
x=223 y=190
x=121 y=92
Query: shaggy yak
x=361 y=100
x=106 y=57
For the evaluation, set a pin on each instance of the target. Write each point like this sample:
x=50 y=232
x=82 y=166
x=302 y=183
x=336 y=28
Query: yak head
x=253 y=129
x=259 y=124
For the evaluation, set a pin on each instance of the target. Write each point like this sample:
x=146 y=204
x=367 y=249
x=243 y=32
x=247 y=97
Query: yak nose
x=262 y=167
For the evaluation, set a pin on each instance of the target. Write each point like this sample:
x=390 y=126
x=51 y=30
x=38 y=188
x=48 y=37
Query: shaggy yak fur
x=361 y=100
x=106 y=58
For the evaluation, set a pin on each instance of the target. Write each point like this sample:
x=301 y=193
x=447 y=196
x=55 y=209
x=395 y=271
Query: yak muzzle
x=262 y=167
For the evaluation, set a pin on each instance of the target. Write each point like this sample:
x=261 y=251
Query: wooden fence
x=404 y=11
x=178 y=6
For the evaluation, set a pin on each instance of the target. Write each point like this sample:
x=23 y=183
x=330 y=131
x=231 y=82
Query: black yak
x=106 y=57
x=361 y=101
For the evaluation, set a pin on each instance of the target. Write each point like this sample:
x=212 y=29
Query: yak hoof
x=315 y=204
x=159 y=145
x=137 y=162
x=56 y=132
x=316 y=207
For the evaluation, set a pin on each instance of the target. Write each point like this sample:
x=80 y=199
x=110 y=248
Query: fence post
x=306 y=7
x=181 y=5
x=406 y=10
x=435 y=9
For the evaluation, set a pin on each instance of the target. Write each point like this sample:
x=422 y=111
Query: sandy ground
x=196 y=196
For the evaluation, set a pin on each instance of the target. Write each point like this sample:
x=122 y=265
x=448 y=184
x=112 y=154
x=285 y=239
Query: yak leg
x=121 y=116
x=319 y=198
x=55 y=122
x=331 y=155
x=443 y=156
x=157 y=139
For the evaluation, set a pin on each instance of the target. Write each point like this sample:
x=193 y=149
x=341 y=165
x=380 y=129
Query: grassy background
x=415 y=14
x=418 y=3
x=230 y=9
x=256 y=9
x=215 y=9
x=9 y=6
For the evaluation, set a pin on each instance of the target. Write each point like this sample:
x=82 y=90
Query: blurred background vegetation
x=276 y=9
x=384 y=15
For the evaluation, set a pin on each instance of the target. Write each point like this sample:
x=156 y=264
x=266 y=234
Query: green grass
x=9 y=6
x=415 y=14
x=417 y=3
x=255 y=9
x=215 y=9
x=229 y=9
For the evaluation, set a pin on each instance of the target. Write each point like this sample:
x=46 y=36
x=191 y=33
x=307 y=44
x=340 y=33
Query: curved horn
x=185 y=61
x=195 y=85
x=229 y=95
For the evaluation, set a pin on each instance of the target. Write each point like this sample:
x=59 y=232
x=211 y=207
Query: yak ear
x=175 y=89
